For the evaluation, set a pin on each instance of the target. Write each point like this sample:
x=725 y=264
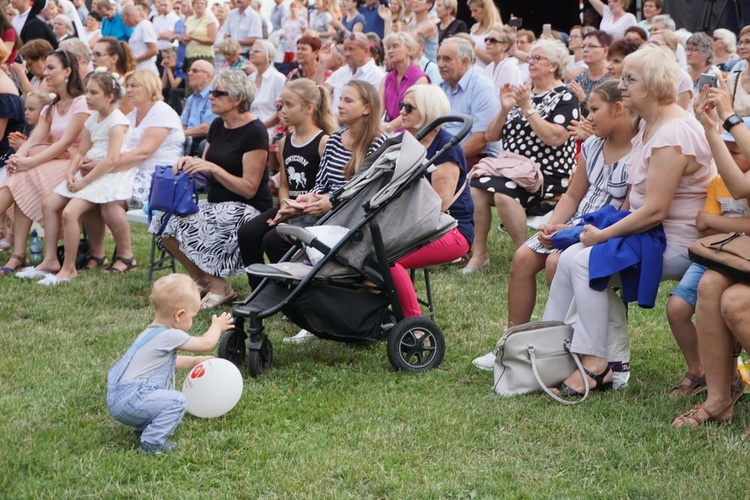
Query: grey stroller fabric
x=411 y=220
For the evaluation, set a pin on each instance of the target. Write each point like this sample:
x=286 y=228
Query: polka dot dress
x=557 y=106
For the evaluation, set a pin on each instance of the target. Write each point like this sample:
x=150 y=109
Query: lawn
x=335 y=421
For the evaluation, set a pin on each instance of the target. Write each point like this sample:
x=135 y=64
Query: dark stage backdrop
x=561 y=14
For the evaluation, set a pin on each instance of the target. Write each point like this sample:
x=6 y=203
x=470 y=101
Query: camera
x=516 y=22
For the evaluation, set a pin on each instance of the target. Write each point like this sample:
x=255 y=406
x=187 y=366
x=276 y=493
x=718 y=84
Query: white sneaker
x=620 y=379
x=486 y=362
x=302 y=337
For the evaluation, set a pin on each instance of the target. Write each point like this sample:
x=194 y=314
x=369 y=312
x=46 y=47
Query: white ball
x=212 y=388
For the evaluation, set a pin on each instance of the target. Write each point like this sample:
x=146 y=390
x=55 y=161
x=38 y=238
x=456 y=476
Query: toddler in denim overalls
x=140 y=387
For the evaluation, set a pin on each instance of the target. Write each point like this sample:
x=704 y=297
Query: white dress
x=161 y=115
x=109 y=187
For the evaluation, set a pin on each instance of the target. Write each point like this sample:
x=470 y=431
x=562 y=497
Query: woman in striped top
x=359 y=112
x=599 y=180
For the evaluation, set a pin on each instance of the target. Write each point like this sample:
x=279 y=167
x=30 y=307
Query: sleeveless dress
x=29 y=188
x=109 y=187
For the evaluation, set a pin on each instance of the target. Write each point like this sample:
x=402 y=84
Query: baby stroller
x=342 y=289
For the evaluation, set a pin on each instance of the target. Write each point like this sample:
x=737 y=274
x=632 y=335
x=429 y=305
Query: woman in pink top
x=400 y=48
x=41 y=162
x=669 y=169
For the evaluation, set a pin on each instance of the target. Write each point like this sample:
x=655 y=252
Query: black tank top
x=301 y=164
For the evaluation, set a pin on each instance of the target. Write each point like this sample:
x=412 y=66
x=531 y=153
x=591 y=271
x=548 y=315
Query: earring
x=66 y=80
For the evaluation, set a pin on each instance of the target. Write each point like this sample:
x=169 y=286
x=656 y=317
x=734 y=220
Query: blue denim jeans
x=154 y=412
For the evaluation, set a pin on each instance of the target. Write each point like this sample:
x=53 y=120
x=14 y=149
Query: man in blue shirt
x=373 y=22
x=197 y=115
x=112 y=23
x=471 y=93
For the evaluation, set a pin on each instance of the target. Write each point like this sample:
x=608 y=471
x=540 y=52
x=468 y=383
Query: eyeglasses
x=536 y=58
x=626 y=80
x=690 y=48
x=97 y=55
x=589 y=46
x=717 y=39
x=256 y=51
x=406 y=108
x=490 y=40
x=218 y=93
x=575 y=36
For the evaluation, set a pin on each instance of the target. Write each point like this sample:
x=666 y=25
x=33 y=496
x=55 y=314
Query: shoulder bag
x=535 y=356
x=727 y=253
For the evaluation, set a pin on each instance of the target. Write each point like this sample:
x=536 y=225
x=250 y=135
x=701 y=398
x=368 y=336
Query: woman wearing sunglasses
x=421 y=105
x=503 y=68
x=234 y=162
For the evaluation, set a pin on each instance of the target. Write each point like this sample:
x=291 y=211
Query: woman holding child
x=38 y=166
x=669 y=168
x=234 y=161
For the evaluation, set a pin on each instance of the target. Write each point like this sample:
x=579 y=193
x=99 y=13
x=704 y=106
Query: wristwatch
x=731 y=121
x=533 y=110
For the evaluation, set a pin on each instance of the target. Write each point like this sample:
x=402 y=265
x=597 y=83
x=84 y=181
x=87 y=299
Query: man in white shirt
x=359 y=66
x=23 y=7
x=164 y=22
x=143 y=40
x=244 y=25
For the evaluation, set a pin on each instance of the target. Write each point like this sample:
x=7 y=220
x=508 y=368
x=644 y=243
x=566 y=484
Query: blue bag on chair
x=173 y=194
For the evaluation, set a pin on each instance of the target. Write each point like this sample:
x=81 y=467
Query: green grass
x=333 y=420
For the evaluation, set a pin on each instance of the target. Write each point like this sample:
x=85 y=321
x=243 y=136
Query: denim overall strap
x=115 y=374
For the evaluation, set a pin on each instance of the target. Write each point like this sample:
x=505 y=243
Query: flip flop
x=212 y=300
x=52 y=280
x=31 y=273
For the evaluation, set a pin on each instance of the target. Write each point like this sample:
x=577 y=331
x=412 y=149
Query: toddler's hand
x=223 y=322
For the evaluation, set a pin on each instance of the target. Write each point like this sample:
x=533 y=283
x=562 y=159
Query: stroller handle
x=467 y=121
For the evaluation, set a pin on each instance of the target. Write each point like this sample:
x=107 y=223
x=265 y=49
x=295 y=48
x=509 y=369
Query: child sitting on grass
x=720 y=214
x=140 y=391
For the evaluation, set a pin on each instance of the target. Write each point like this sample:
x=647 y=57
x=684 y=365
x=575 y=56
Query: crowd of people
x=612 y=125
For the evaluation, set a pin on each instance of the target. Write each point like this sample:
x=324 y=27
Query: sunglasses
x=406 y=108
x=490 y=40
x=218 y=93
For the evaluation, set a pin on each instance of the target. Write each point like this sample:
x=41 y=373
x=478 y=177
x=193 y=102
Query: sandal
x=695 y=386
x=98 y=262
x=566 y=391
x=700 y=415
x=129 y=265
x=7 y=270
x=212 y=300
x=738 y=389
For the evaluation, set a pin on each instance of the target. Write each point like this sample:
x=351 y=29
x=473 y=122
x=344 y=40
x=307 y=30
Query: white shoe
x=620 y=379
x=31 y=273
x=486 y=362
x=302 y=337
x=52 y=280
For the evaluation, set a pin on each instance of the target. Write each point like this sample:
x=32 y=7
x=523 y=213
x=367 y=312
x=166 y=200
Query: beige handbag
x=535 y=356
x=727 y=253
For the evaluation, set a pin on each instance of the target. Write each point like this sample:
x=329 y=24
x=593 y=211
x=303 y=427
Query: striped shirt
x=335 y=157
x=607 y=183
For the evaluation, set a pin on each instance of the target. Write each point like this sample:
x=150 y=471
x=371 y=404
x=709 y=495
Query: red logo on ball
x=198 y=372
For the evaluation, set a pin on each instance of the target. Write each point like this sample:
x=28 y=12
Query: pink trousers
x=447 y=249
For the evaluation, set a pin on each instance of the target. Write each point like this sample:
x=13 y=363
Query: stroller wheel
x=416 y=344
x=232 y=347
x=259 y=360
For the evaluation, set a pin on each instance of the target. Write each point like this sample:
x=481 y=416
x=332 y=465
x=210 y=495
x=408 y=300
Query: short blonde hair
x=404 y=38
x=229 y=46
x=556 y=53
x=659 y=73
x=431 y=102
x=452 y=6
x=172 y=292
x=148 y=80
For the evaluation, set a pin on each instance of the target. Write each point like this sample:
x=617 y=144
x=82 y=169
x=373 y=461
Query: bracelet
x=529 y=113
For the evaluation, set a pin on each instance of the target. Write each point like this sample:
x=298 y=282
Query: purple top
x=394 y=94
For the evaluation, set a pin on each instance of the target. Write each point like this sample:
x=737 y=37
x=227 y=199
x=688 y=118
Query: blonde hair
x=42 y=97
x=316 y=95
x=452 y=6
x=229 y=46
x=172 y=292
x=370 y=126
x=659 y=72
x=431 y=102
x=490 y=18
x=404 y=38
x=148 y=80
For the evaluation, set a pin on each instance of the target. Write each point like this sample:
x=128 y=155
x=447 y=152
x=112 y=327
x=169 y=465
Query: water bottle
x=35 y=249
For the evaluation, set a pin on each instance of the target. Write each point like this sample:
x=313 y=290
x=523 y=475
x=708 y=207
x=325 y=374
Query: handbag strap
x=736 y=81
x=532 y=357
